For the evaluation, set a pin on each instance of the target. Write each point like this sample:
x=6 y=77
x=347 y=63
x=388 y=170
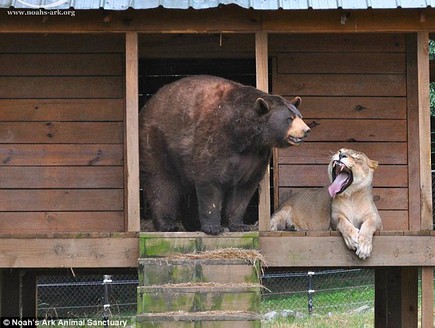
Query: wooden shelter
x=70 y=88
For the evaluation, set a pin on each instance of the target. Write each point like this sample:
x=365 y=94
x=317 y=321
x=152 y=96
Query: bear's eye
x=290 y=119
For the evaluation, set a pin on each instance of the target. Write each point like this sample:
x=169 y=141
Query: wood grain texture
x=92 y=177
x=61 y=200
x=61 y=87
x=288 y=251
x=39 y=222
x=69 y=253
x=61 y=154
x=61 y=132
x=34 y=110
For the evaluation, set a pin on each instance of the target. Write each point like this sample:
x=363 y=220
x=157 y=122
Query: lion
x=346 y=205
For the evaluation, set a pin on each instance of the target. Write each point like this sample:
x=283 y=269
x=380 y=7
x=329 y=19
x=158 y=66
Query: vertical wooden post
x=132 y=206
x=424 y=129
x=427 y=306
x=262 y=74
x=426 y=220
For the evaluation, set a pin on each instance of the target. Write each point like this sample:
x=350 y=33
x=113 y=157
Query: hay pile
x=249 y=255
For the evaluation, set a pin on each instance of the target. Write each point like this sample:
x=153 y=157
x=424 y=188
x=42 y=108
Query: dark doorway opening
x=155 y=73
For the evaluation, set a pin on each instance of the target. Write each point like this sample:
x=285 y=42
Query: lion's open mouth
x=342 y=178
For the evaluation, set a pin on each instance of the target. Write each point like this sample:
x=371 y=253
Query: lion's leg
x=282 y=219
x=365 y=238
x=348 y=231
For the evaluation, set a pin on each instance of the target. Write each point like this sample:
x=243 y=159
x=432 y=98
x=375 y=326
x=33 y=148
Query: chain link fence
x=303 y=294
x=87 y=296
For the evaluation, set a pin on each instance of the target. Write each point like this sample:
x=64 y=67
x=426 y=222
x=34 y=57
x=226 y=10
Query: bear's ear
x=296 y=101
x=261 y=106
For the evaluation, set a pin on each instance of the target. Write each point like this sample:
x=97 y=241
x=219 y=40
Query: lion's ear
x=373 y=164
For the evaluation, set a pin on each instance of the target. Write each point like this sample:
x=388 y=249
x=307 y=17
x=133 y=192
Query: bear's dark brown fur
x=214 y=137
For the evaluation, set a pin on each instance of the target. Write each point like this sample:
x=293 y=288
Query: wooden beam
x=132 y=133
x=226 y=19
x=426 y=218
x=262 y=75
x=282 y=250
x=72 y=252
x=413 y=131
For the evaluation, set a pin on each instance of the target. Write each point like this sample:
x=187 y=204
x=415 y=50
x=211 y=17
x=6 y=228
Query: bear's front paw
x=165 y=226
x=239 y=227
x=212 y=229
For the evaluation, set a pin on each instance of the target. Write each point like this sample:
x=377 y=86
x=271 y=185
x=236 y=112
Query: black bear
x=212 y=137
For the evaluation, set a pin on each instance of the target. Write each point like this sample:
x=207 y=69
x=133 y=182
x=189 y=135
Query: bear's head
x=284 y=124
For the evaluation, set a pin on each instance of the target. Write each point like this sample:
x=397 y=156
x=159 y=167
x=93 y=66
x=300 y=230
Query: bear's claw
x=212 y=229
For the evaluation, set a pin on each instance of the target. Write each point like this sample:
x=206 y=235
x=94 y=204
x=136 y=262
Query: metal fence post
x=106 y=306
x=310 y=291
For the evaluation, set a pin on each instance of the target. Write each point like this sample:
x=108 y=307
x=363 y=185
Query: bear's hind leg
x=163 y=197
x=209 y=208
x=235 y=206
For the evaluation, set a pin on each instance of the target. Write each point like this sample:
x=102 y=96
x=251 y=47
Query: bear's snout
x=297 y=131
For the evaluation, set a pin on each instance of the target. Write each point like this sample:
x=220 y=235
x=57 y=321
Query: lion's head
x=350 y=170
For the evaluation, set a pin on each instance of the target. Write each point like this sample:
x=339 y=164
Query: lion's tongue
x=337 y=184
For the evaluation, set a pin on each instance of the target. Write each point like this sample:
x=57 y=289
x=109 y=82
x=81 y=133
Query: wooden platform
x=121 y=250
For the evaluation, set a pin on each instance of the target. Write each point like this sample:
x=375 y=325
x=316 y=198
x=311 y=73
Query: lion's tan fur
x=352 y=212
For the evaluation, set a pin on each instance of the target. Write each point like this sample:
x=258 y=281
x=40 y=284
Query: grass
x=338 y=320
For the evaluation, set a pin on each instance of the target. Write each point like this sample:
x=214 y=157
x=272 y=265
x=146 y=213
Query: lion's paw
x=364 y=248
x=351 y=241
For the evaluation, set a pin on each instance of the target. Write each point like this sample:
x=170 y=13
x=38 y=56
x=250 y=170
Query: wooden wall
x=354 y=92
x=61 y=133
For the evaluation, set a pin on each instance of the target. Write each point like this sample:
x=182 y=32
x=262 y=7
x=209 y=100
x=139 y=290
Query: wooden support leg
x=396 y=297
x=18 y=294
x=427 y=302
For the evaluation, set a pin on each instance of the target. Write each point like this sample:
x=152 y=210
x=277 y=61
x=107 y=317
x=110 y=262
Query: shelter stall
x=69 y=100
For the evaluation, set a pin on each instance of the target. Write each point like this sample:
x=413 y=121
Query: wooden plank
x=233 y=19
x=61 y=64
x=424 y=130
x=61 y=87
x=262 y=83
x=316 y=176
x=321 y=152
x=61 y=110
x=354 y=107
x=61 y=132
x=338 y=42
x=387 y=20
x=394 y=220
x=53 y=43
x=385 y=198
x=409 y=297
x=413 y=135
x=357 y=130
x=331 y=251
x=69 y=253
x=62 y=200
x=40 y=222
x=341 y=85
x=184 y=45
x=226 y=19
x=61 y=155
x=16 y=177
x=427 y=297
x=339 y=63
x=132 y=133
